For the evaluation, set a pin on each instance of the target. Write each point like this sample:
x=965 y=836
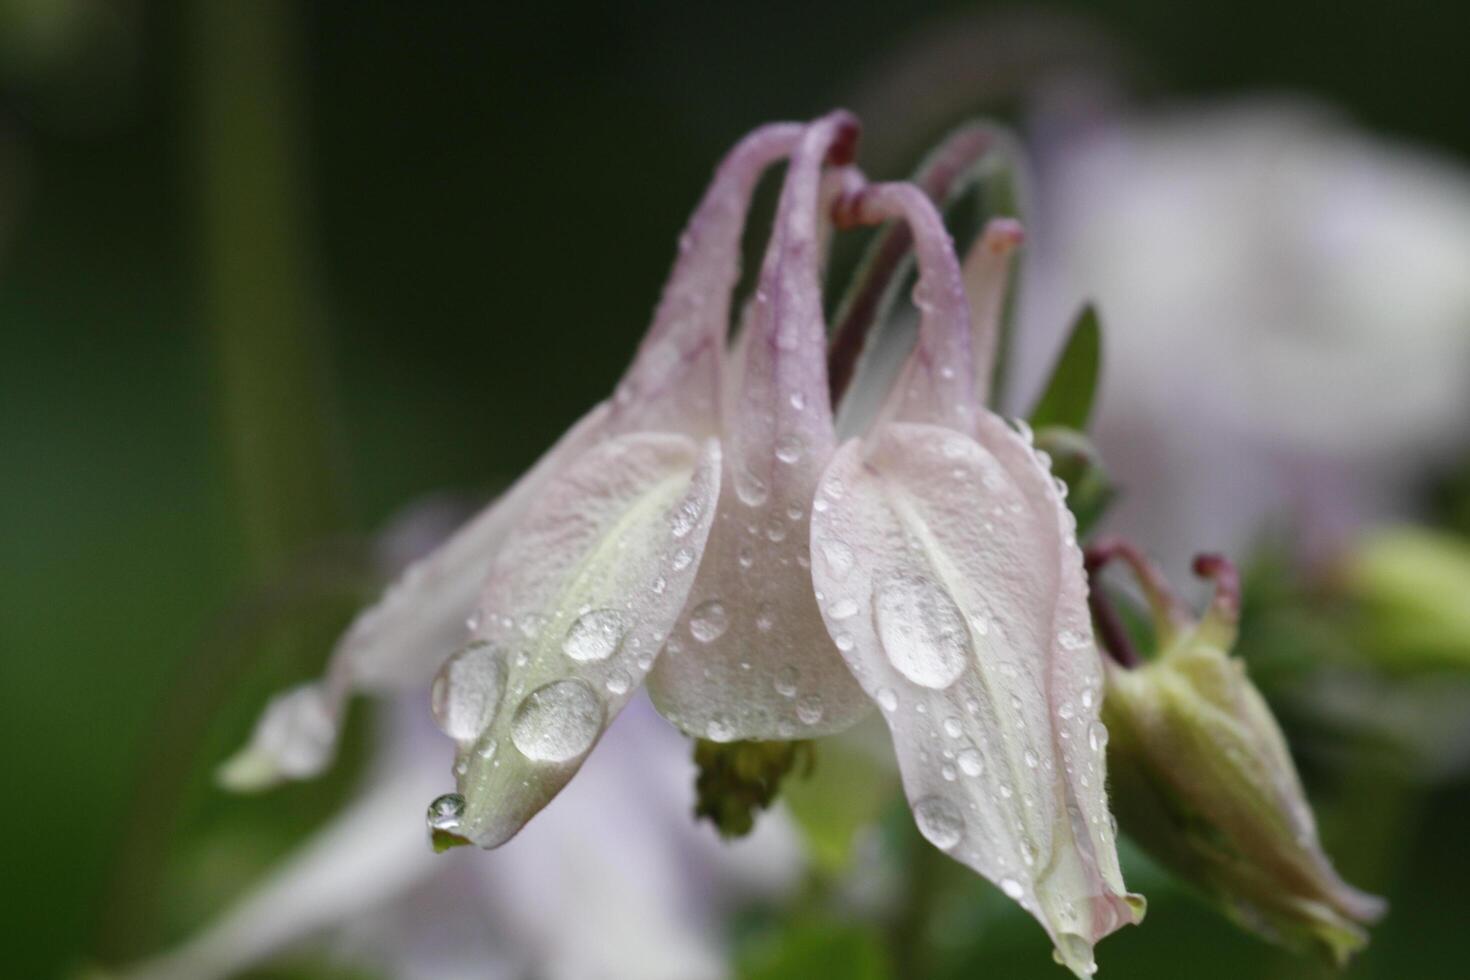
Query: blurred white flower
x=614 y=880
x=1287 y=308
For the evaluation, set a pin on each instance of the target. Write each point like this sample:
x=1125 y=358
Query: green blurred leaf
x=1075 y=461
x=1068 y=396
x=820 y=948
x=845 y=793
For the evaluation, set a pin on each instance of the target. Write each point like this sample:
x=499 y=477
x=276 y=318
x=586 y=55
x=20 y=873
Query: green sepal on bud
x=738 y=779
x=1202 y=778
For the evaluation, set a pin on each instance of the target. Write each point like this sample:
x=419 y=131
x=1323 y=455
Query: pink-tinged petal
x=937 y=384
x=577 y=605
x=750 y=658
x=964 y=614
x=399 y=641
x=987 y=274
x=672 y=385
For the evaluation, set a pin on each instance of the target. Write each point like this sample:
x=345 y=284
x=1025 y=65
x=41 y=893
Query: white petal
x=577 y=606
x=972 y=634
x=750 y=658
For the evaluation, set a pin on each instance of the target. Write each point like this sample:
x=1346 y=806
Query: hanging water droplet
x=446 y=812
x=922 y=631
x=810 y=709
x=466 y=691
x=557 y=722
x=594 y=636
x=786 y=680
x=708 y=621
x=720 y=729
x=940 y=821
x=1011 y=887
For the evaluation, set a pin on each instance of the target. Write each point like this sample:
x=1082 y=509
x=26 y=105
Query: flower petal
x=673 y=384
x=970 y=630
x=400 y=640
x=750 y=658
x=578 y=603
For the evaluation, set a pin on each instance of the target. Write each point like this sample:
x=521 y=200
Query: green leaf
x=816 y=948
x=1074 y=461
x=1067 y=399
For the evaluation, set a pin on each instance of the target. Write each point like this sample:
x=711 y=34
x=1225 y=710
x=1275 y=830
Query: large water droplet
x=940 y=821
x=466 y=692
x=922 y=631
x=557 y=722
x=709 y=621
x=444 y=818
x=595 y=635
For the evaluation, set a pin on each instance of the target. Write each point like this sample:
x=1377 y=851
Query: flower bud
x=1202 y=778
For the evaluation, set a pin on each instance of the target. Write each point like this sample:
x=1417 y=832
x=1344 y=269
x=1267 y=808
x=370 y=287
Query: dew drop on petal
x=682 y=559
x=842 y=609
x=940 y=821
x=922 y=631
x=788 y=449
x=557 y=722
x=594 y=636
x=952 y=727
x=786 y=681
x=618 y=682
x=720 y=729
x=1097 y=736
x=709 y=621
x=810 y=709
x=887 y=700
x=466 y=691
x=971 y=762
x=1011 y=887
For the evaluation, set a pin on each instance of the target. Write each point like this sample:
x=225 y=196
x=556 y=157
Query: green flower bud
x=736 y=779
x=1202 y=778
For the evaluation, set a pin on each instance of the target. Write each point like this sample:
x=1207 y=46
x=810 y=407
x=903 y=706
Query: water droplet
x=751 y=489
x=531 y=625
x=788 y=449
x=446 y=812
x=472 y=621
x=947 y=771
x=786 y=681
x=1065 y=712
x=839 y=558
x=681 y=560
x=618 y=682
x=746 y=556
x=886 y=699
x=1088 y=698
x=842 y=609
x=810 y=709
x=1097 y=736
x=659 y=584
x=765 y=618
x=776 y=531
x=1071 y=640
x=922 y=631
x=594 y=636
x=1011 y=887
x=952 y=727
x=720 y=729
x=685 y=518
x=843 y=642
x=466 y=691
x=940 y=821
x=971 y=762
x=798 y=401
x=1031 y=760
x=557 y=722
x=709 y=621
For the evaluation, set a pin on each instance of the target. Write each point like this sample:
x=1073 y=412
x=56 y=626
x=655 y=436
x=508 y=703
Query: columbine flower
x=677 y=535
x=1203 y=778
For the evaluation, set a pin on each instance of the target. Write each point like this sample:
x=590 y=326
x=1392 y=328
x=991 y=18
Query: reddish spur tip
x=1226 y=577
x=844 y=144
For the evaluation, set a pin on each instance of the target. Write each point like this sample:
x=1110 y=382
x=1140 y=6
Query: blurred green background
x=269 y=271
